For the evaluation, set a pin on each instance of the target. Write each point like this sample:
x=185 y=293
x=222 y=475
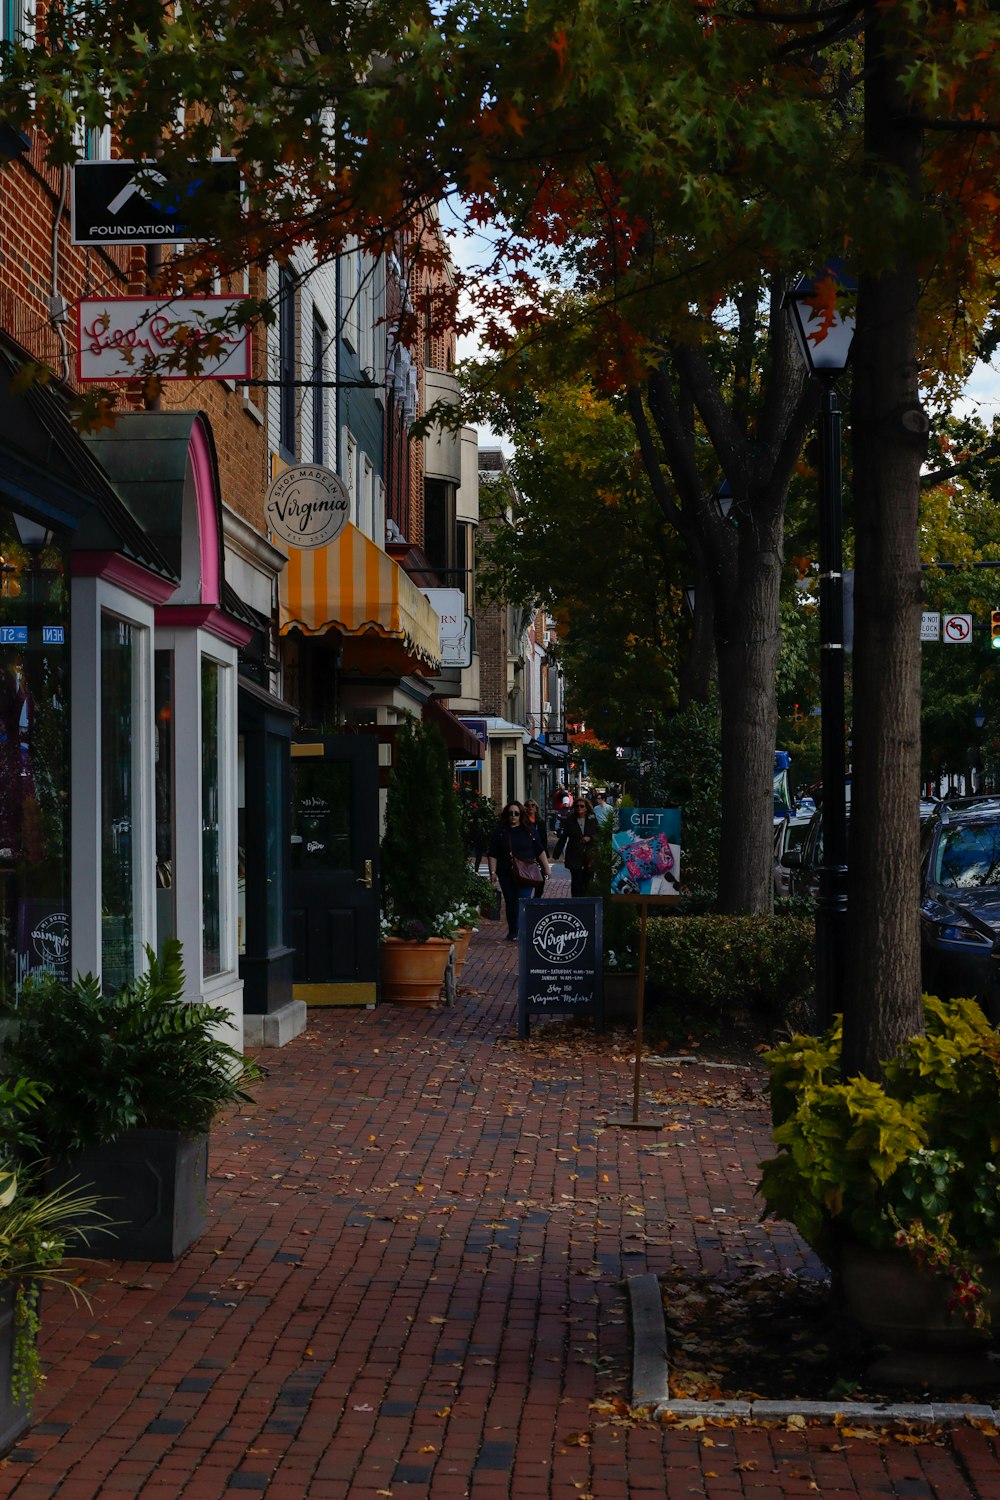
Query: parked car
x=960 y=901
x=789 y=833
x=802 y=862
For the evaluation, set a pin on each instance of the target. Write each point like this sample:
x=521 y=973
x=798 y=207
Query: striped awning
x=353 y=587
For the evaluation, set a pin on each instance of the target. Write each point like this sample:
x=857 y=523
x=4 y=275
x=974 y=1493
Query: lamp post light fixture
x=824 y=337
x=980 y=717
x=725 y=502
x=689 y=596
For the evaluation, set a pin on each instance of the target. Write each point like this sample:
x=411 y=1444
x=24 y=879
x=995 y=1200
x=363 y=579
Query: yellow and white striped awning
x=353 y=587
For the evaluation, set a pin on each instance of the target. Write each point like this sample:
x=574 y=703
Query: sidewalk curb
x=651 y=1384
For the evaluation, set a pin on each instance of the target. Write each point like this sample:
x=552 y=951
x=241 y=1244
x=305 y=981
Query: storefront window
x=275 y=752
x=241 y=842
x=164 y=751
x=34 y=753
x=120 y=958
x=211 y=843
x=321 y=815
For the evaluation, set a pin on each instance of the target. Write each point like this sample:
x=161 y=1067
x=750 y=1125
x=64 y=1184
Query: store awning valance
x=353 y=587
x=460 y=742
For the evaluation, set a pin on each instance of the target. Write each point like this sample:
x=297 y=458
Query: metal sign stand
x=632 y=1121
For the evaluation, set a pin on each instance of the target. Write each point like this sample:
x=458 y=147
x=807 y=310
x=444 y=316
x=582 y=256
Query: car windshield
x=968 y=855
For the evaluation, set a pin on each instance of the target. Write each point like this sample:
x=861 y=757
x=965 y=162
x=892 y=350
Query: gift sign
x=646 y=851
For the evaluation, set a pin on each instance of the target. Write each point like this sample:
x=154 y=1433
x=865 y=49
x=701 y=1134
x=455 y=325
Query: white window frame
x=92 y=599
x=189 y=646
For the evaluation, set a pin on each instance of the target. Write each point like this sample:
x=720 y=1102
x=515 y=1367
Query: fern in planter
x=140 y=1057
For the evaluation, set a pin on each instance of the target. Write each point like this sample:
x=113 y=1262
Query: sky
x=981 y=397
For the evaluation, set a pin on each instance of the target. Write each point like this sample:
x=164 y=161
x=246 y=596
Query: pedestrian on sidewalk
x=512 y=840
x=535 y=824
x=578 y=836
x=602 y=808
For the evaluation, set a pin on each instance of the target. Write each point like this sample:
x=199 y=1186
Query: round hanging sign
x=307 y=506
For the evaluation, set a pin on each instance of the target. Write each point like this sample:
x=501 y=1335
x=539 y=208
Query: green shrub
x=909 y=1161
x=714 y=963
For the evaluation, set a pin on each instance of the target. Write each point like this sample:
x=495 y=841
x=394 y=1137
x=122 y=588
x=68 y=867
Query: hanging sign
x=561 y=969
x=646 y=852
x=930 y=625
x=125 y=338
x=307 y=506
x=137 y=203
x=456 y=626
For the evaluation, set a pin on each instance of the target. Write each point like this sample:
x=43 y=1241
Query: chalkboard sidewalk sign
x=561 y=969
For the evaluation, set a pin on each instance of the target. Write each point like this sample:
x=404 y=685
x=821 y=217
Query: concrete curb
x=651 y=1384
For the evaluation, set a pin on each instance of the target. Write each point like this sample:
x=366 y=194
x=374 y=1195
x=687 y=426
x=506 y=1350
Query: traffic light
x=995 y=630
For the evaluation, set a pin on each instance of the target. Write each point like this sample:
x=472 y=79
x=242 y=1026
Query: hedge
x=721 y=962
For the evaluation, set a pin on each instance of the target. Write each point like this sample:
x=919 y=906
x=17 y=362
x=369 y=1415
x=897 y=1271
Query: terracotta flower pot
x=463 y=938
x=413 y=973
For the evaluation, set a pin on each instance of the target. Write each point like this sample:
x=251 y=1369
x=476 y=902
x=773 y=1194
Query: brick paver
x=412 y=1285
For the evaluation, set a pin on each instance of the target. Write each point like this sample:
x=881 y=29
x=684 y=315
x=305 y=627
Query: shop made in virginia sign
x=561 y=968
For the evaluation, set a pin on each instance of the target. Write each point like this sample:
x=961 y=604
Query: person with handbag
x=516 y=862
x=578 y=836
x=535 y=825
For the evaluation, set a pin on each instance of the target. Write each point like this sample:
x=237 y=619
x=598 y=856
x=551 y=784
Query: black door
x=334 y=870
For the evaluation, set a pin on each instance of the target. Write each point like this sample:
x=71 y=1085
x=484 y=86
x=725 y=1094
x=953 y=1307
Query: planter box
x=155 y=1182
x=14 y=1419
x=621 y=997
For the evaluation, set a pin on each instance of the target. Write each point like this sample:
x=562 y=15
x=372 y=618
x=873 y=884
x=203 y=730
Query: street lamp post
x=824 y=337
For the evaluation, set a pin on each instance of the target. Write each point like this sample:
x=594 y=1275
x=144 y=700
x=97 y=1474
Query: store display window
x=34 y=752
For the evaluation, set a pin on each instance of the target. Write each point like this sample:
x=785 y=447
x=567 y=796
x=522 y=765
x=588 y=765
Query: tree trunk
x=882 y=991
x=747 y=644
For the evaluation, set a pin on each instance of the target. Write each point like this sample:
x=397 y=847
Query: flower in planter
x=35 y=1224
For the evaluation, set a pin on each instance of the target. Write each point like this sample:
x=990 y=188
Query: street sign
x=118 y=335
x=136 y=203
x=930 y=625
x=956 y=630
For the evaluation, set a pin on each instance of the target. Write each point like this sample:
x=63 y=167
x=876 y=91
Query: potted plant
x=34 y=1227
x=424 y=872
x=133 y=1082
x=895 y=1182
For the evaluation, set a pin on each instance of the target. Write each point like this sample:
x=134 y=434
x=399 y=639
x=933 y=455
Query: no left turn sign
x=956 y=630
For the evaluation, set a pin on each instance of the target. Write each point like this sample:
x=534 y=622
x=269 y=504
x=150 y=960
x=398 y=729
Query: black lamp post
x=824 y=337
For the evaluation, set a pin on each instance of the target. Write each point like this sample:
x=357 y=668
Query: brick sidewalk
x=411 y=1285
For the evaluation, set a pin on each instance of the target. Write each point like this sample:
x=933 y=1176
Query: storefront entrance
x=334 y=870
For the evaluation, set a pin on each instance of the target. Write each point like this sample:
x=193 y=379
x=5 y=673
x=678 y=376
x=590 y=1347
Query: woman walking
x=535 y=824
x=578 y=836
x=513 y=844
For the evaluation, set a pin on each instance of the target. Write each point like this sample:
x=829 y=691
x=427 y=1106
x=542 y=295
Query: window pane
x=211 y=844
x=163 y=728
x=274 y=826
x=210 y=816
x=34 y=754
x=119 y=740
x=321 y=815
